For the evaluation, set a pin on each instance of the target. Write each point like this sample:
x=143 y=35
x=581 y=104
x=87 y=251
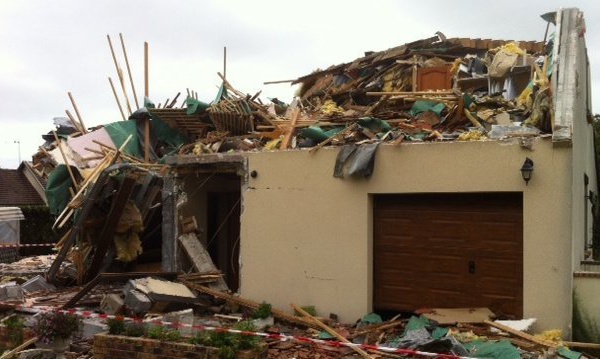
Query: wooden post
x=146 y=94
x=414 y=73
x=77 y=112
x=129 y=71
x=64 y=156
x=119 y=73
x=287 y=138
x=112 y=86
x=74 y=122
x=146 y=82
x=224 y=62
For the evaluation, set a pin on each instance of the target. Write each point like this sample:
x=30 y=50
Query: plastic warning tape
x=27 y=245
x=280 y=337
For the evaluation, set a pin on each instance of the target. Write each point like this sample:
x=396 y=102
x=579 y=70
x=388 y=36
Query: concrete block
x=37 y=284
x=112 y=304
x=11 y=290
x=14 y=292
x=137 y=301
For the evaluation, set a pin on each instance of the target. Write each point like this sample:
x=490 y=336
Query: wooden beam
x=64 y=156
x=74 y=122
x=112 y=86
x=279 y=314
x=337 y=135
x=329 y=330
x=77 y=112
x=119 y=73
x=19 y=348
x=146 y=80
x=129 y=71
x=224 y=62
x=409 y=93
x=472 y=118
x=287 y=138
x=278 y=82
x=521 y=334
x=106 y=237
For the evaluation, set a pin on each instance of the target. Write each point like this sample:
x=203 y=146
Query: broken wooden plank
x=287 y=138
x=521 y=334
x=457 y=315
x=472 y=119
x=279 y=314
x=64 y=156
x=337 y=135
x=19 y=348
x=106 y=237
x=329 y=330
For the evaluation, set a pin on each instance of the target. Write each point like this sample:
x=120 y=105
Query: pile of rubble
x=187 y=304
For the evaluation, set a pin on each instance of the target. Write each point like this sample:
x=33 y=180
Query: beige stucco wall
x=307 y=236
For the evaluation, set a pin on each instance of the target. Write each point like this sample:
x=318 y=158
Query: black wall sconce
x=527 y=170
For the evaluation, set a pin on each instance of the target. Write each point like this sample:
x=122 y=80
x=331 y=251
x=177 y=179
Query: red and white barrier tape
x=27 y=245
x=281 y=337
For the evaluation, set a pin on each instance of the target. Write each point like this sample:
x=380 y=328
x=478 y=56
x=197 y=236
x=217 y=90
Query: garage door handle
x=472 y=267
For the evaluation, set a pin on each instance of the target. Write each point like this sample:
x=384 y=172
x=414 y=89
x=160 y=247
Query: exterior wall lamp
x=527 y=170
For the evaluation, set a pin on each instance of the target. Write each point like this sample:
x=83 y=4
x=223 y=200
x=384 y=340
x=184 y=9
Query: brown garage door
x=449 y=250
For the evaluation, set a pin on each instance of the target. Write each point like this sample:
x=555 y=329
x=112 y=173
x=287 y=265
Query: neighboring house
x=17 y=190
x=438 y=224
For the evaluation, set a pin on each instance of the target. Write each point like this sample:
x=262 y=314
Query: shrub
x=14 y=329
x=116 y=326
x=54 y=325
x=263 y=311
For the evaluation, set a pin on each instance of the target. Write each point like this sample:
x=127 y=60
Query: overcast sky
x=48 y=48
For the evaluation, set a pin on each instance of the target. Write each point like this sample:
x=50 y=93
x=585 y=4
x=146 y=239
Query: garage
x=447 y=250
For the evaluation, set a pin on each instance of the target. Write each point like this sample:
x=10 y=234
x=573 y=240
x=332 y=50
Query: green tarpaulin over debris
x=494 y=350
x=422 y=106
x=57 y=189
x=170 y=138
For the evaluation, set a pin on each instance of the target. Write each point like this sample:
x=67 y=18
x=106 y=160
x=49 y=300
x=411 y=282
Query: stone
x=137 y=301
x=91 y=327
x=37 y=284
x=112 y=304
x=11 y=290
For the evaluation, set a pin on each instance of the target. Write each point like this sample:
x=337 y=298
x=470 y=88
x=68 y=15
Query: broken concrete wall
x=312 y=233
x=573 y=111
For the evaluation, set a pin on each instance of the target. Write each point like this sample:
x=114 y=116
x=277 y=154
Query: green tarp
x=422 y=106
x=57 y=189
x=494 y=350
x=161 y=132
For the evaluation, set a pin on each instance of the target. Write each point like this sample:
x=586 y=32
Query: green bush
x=14 y=329
x=229 y=343
x=164 y=334
x=116 y=326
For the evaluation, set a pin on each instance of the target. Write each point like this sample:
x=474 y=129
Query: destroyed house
x=442 y=173
x=461 y=176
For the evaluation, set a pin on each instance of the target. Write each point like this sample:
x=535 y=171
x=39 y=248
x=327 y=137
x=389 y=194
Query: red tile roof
x=15 y=190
